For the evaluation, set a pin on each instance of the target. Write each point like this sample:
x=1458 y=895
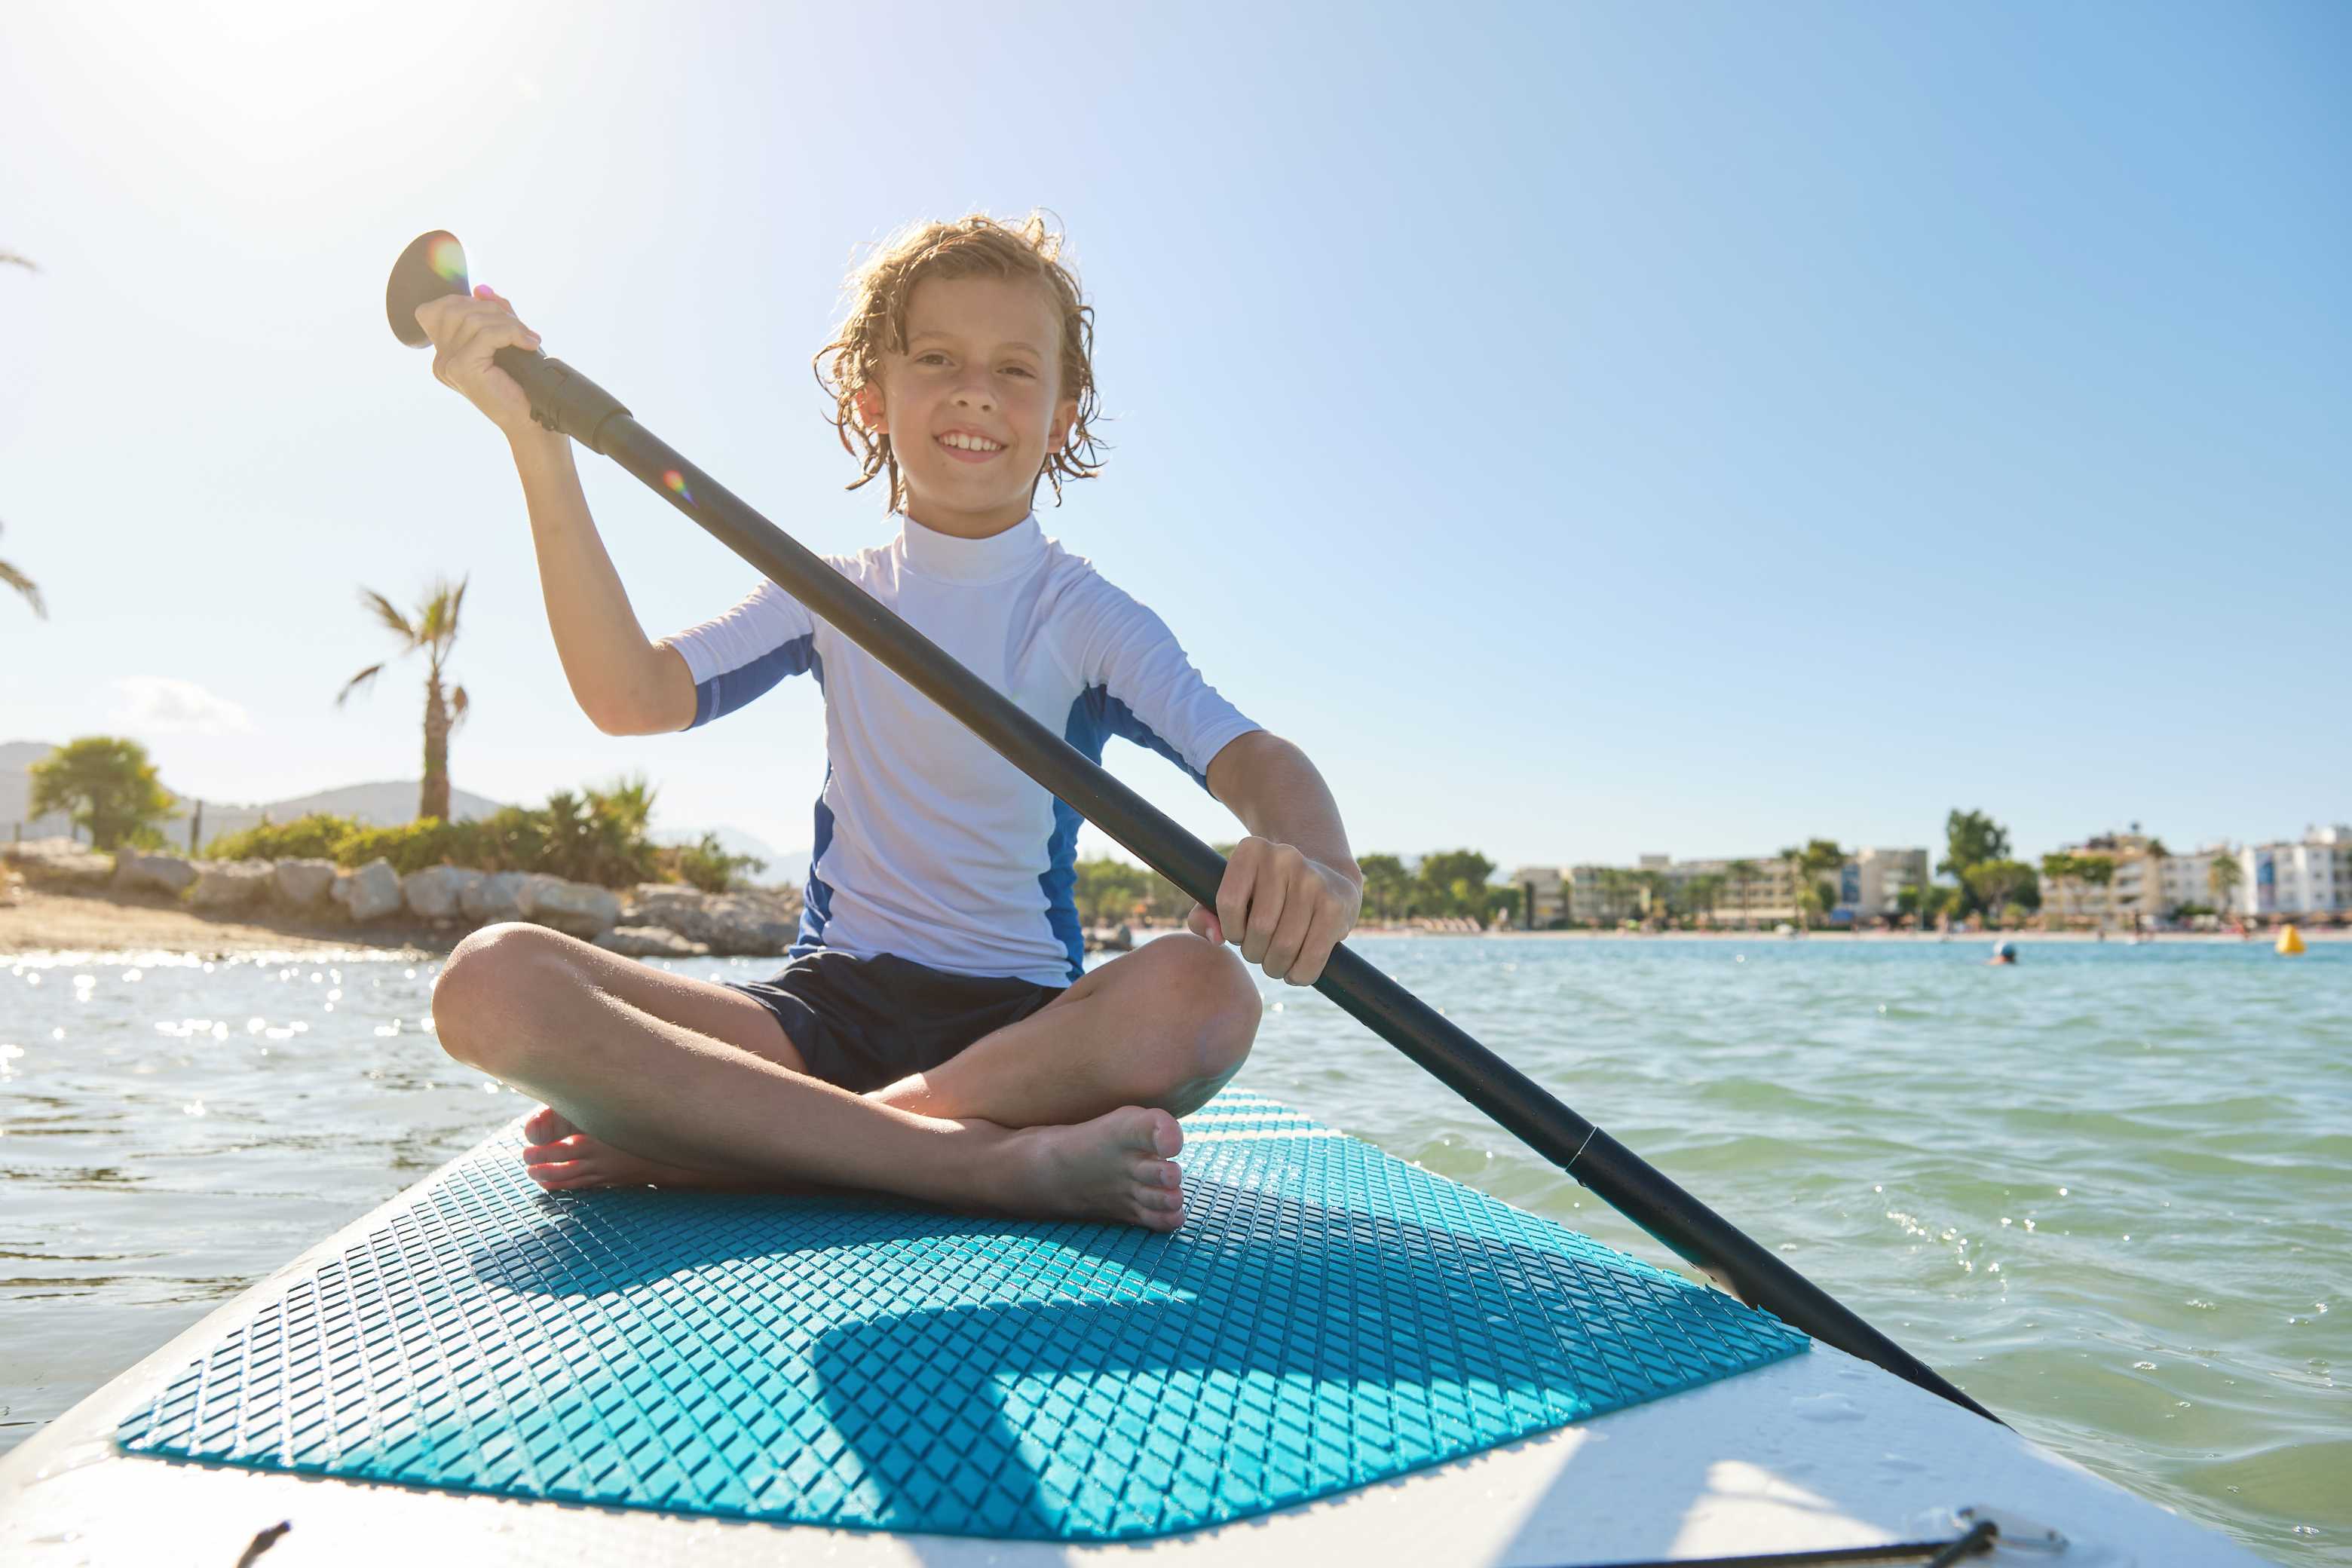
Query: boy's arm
x=624 y=682
x=1292 y=889
x=627 y=685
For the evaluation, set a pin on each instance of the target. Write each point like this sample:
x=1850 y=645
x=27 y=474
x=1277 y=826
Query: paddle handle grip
x=561 y=398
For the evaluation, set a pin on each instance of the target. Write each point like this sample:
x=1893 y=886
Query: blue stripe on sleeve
x=817 y=897
x=1095 y=717
x=1118 y=719
x=731 y=688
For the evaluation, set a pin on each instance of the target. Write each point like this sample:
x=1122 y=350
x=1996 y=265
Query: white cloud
x=159 y=705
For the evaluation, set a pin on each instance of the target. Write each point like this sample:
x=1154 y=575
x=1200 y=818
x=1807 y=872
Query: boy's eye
x=928 y=358
x=1018 y=370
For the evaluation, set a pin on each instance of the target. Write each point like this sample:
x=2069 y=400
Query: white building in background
x=1871 y=883
x=2310 y=878
x=1545 y=892
x=2188 y=880
x=2135 y=887
x=1761 y=891
x=1601 y=893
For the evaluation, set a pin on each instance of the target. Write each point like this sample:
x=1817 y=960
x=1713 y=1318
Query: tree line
x=1451 y=883
x=106 y=786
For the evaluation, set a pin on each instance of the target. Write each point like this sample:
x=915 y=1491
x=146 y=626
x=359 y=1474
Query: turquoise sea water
x=2103 y=1191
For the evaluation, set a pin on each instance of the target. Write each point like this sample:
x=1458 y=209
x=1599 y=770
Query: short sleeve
x=1140 y=684
x=737 y=655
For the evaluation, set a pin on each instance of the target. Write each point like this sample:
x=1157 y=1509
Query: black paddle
x=563 y=399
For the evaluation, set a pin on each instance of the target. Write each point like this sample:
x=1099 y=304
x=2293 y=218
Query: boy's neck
x=961 y=524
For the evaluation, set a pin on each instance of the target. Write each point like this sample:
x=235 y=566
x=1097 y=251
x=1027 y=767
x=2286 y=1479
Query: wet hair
x=875 y=326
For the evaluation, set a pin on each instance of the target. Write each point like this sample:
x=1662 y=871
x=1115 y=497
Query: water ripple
x=2103 y=1191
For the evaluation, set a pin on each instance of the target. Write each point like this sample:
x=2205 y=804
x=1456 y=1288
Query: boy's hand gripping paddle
x=562 y=399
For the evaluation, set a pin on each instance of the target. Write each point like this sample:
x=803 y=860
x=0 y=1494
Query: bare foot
x=1116 y=1167
x=561 y=1158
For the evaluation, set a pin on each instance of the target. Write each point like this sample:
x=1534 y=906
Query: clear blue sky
x=1588 y=429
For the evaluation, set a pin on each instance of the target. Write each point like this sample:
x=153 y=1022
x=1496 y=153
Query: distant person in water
x=2003 y=953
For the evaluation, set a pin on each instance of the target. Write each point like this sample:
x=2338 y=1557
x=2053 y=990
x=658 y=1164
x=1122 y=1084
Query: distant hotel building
x=1757 y=890
x=2282 y=880
x=2313 y=876
x=2136 y=887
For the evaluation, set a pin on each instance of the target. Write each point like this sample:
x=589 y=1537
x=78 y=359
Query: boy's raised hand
x=1286 y=911
x=465 y=331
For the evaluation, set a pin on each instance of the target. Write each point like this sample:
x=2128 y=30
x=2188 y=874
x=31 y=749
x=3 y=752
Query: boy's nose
x=974 y=398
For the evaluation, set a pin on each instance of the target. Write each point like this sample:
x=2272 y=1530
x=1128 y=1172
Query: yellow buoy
x=2290 y=941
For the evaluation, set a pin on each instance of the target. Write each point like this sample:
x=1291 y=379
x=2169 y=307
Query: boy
x=933 y=1034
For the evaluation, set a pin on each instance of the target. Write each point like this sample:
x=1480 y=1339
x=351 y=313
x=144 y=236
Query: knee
x=1207 y=995
x=480 y=991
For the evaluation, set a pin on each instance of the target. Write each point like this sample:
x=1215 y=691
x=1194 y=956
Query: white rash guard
x=928 y=844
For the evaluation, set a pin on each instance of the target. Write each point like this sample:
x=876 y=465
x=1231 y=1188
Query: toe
x=545 y=1126
x=1150 y=1131
x=553 y=1150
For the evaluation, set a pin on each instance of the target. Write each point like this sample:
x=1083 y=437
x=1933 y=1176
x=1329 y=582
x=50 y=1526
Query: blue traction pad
x=1328 y=1316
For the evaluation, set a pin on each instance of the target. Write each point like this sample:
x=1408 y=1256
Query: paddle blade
x=433 y=265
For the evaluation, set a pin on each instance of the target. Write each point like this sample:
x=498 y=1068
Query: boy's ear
x=869 y=409
x=1065 y=414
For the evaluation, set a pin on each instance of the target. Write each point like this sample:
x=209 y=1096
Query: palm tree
x=2060 y=870
x=2223 y=876
x=434 y=629
x=11 y=577
x=1743 y=872
x=1807 y=866
x=1616 y=893
x=2097 y=871
x=1793 y=858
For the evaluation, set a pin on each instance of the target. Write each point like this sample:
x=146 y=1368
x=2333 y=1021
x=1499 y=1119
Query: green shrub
x=311 y=837
x=706 y=865
x=593 y=836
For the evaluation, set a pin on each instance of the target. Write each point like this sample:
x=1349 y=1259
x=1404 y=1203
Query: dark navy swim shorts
x=863 y=1023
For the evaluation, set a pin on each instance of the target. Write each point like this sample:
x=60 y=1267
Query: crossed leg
x=653 y=1076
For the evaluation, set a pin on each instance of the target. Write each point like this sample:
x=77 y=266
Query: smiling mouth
x=966 y=449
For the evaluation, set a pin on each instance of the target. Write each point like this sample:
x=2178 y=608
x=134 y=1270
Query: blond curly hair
x=875 y=325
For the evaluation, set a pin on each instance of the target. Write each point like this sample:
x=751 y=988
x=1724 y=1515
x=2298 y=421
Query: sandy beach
x=49 y=922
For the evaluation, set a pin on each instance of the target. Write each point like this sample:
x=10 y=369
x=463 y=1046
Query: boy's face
x=975 y=403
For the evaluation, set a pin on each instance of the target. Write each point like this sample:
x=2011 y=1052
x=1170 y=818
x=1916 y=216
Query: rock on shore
x=580 y=908
x=497 y=897
x=748 y=924
x=61 y=861
x=302 y=884
x=658 y=920
x=650 y=941
x=229 y=884
x=437 y=892
x=370 y=893
x=143 y=873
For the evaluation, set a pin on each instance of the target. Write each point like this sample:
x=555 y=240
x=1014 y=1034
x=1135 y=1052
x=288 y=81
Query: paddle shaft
x=561 y=398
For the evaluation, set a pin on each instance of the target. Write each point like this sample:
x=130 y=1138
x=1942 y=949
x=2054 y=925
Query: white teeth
x=964 y=443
